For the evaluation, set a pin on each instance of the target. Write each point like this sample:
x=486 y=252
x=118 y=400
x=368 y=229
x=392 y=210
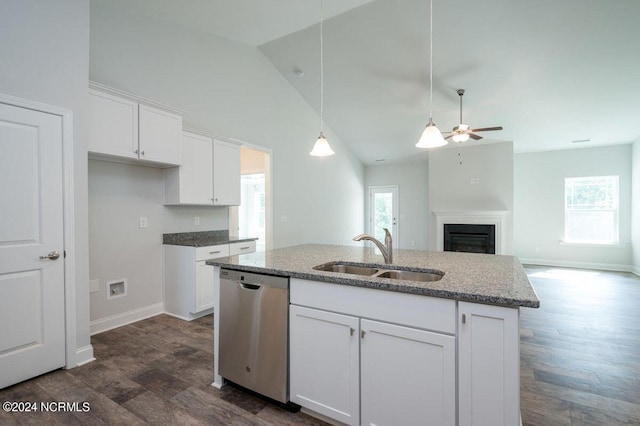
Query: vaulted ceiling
x=550 y=72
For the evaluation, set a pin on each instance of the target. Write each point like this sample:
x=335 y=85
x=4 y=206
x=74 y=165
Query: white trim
x=84 y=355
x=134 y=98
x=474 y=217
x=125 y=318
x=395 y=233
x=580 y=265
x=596 y=245
x=68 y=217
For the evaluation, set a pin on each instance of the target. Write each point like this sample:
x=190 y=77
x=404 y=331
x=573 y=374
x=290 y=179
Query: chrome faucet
x=387 y=252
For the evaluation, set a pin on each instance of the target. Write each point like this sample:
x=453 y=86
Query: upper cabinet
x=226 y=174
x=123 y=130
x=209 y=174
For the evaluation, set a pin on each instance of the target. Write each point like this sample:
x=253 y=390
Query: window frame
x=615 y=210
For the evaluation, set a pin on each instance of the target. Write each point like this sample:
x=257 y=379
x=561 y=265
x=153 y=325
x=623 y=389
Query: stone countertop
x=202 y=238
x=479 y=278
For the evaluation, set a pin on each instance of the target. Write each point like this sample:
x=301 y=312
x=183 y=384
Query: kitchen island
x=368 y=349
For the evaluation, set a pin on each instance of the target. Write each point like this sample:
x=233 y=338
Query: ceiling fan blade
x=487 y=129
x=474 y=137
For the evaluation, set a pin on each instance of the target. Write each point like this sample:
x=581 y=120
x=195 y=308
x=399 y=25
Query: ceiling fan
x=462 y=132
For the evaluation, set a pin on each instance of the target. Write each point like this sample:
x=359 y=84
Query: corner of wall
x=635 y=207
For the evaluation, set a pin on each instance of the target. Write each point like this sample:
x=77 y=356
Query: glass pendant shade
x=460 y=138
x=431 y=137
x=321 y=148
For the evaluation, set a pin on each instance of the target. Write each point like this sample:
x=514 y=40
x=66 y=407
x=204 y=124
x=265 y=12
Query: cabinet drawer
x=243 y=247
x=212 y=252
x=429 y=313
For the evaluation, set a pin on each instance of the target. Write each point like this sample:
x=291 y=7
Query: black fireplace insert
x=470 y=238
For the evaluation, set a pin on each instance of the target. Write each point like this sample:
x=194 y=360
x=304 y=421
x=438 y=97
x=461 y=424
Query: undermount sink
x=410 y=276
x=368 y=271
x=347 y=269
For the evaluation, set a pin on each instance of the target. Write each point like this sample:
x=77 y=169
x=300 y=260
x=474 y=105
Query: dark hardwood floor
x=580 y=352
x=580 y=365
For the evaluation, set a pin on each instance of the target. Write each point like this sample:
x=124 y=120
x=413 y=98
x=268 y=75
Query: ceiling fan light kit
x=431 y=137
x=461 y=133
x=321 y=147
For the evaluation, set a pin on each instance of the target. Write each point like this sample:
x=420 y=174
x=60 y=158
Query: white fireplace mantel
x=471 y=217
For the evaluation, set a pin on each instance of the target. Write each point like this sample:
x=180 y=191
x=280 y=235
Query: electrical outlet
x=144 y=223
x=283 y=219
x=196 y=220
x=537 y=249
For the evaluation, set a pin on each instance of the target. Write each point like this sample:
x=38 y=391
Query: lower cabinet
x=488 y=365
x=408 y=376
x=188 y=280
x=324 y=364
x=359 y=371
x=371 y=357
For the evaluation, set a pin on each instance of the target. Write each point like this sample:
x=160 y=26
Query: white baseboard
x=84 y=355
x=118 y=320
x=580 y=265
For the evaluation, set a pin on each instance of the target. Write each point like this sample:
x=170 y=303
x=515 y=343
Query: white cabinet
x=324 y=363
x=123 y=130
x=407 y=370
x=159 y=135
x=408 y=375
x=226 y=174
x=209 y=174
x=188 y=281
x=242 y=247
x=192 y=182
x=489 y=365
x=113 y=125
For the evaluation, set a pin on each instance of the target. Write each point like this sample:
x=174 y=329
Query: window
x=591 y=210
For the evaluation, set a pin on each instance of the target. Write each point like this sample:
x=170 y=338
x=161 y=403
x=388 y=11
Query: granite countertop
x=202 y=238
x=480 y=278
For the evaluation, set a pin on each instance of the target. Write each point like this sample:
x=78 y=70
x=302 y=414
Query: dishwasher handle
x=247 y=286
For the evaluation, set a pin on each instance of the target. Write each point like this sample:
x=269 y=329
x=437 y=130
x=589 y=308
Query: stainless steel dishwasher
x=254 y=331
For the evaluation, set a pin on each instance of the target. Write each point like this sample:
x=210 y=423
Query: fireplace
x=470 y=238
x=494 y=218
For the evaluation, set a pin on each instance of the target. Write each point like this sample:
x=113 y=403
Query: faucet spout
x=386 y=249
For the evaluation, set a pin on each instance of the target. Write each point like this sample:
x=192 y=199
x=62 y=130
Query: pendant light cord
x=430 y=60
x=321 y=69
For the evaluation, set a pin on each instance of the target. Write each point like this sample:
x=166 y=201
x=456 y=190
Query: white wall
x=635 y=206
x=539 y=205
x=450 y=187
x=231 y=90
x=44 y=48
x=413 y=217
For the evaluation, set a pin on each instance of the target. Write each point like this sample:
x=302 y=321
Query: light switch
x=143 y=222
x=196 y=220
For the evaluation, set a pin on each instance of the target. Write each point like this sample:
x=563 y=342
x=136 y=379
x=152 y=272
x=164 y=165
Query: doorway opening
x=252 y=218
x=383 y=212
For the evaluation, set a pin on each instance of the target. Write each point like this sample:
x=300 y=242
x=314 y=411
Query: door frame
x=68 y=217
x=396 y=235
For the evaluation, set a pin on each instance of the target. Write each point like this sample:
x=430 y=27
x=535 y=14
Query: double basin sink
x=369 y=271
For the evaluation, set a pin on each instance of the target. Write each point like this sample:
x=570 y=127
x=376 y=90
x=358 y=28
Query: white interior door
x=32 y=332
x=383 y=212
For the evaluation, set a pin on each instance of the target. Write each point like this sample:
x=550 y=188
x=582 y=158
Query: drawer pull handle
x=245 y=248
x=214 y=252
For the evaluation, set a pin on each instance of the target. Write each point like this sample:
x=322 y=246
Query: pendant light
x=321 y=147
x=431 y=137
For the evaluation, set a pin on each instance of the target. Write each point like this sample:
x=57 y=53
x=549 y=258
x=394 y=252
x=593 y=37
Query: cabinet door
x=204 y=286
x=113 y=125
x=408 y=376
x=489 y=365
x=324 y=359
x=159 y=136
x=226 y=174
x=196 y=171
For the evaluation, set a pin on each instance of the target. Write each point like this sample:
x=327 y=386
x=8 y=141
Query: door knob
x=53 y=255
